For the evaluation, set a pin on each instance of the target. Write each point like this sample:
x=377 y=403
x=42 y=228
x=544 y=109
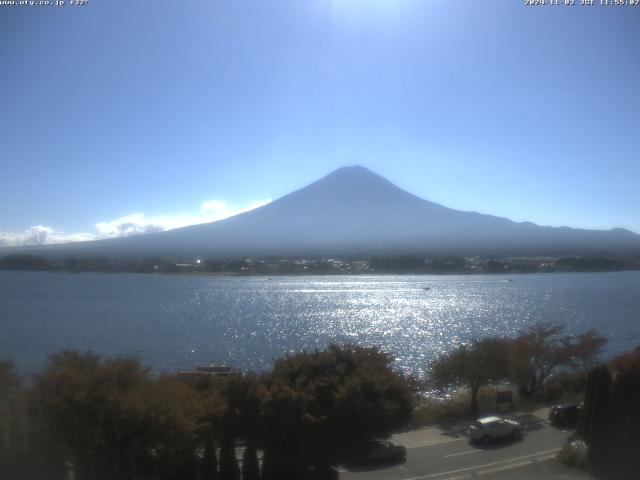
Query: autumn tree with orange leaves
x=544 y=349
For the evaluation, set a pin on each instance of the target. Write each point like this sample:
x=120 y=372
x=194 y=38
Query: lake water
x=174 y=322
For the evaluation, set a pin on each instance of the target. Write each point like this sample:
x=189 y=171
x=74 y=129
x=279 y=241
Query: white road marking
x=431 y=442
x=545 y=458
x=506 y=467
x=475 y=467
x=462 y=453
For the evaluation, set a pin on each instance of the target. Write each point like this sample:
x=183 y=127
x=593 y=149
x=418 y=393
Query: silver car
x=489 y=428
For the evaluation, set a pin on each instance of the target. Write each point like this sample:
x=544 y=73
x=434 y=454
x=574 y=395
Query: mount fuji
x=354 y=211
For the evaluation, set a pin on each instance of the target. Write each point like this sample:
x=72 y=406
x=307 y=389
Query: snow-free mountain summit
x=355 y=211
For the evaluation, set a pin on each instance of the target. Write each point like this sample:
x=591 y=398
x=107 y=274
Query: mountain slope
x=353 y=210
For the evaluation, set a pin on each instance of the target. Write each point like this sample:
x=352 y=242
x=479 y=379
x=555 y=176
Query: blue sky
x=119 y=116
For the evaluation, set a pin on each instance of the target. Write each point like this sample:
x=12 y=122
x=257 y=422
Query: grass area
x=561 y=389
x=432 y=411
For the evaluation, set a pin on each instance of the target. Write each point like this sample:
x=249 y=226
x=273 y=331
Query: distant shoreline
x=357 y=265
x=325 y=274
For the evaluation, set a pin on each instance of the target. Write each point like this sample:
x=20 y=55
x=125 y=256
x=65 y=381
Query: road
x=446 y=453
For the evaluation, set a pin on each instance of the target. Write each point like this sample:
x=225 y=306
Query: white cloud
x=128 y=225
x=41 y=235
x=134 y=224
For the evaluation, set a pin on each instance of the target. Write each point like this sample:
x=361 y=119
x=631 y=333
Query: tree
x=229 y=469
x=321 y=407
x=243 y=418
x=113 y=419
x=542 y=350
x=209 y=465
x=10 y=429
x=480 y=363
x=175 y=412
x=611 y=419
x=9 y=383
x=9 y=379
x=250 y=466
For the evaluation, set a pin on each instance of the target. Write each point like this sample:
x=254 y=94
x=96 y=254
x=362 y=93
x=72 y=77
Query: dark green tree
x=321 y=407
x=250 y=466
x=11 y=434
x=611 y=419
x=209 y=465
x=229 y=469
x=244 y=417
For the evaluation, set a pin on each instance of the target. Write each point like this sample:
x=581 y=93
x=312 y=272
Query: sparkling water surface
x=174 y=322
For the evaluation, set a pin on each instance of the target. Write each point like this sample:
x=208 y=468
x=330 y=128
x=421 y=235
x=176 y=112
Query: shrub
x=574 y=455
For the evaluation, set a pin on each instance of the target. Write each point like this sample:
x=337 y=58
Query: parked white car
x=489 y=428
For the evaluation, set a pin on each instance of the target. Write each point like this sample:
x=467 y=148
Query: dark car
x=382 y=451
x=566 y=415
